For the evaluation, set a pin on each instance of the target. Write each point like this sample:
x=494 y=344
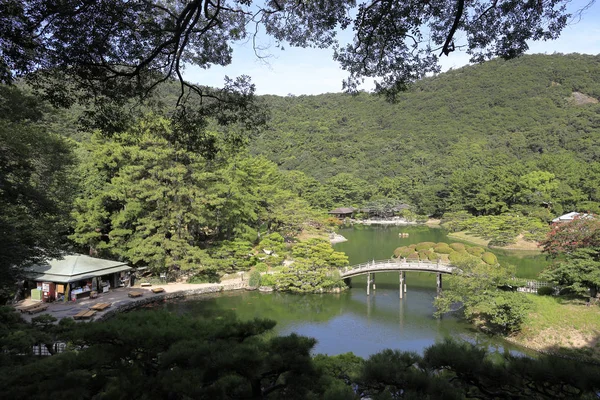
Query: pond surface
x=353 y=321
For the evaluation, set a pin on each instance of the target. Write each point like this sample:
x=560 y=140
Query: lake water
x=353 y=321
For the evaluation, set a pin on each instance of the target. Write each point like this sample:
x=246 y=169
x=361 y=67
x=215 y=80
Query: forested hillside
x=505 y=135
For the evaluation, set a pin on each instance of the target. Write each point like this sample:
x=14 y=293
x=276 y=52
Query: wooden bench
x=85 y=314
x=157 y=290
x=135 y=294
x=145 y=284
x=29 y=307
x=38 y=309
x=100 y=306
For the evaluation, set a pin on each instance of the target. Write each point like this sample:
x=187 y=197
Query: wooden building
x=343 y=212
x=74 y=276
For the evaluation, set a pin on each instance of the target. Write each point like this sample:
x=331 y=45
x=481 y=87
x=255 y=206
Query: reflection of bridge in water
x=396 y=265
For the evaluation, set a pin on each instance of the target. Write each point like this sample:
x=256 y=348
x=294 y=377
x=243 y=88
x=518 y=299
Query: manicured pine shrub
x=267 y=280
x=261 y=267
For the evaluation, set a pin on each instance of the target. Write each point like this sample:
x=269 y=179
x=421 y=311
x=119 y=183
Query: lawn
x=560 y=325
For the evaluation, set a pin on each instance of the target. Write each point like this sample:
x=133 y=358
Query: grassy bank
x=521 y=244
x=469 y=238
x=562 y=326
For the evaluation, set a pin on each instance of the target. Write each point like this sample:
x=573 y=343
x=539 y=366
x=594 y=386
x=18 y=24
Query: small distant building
x=570 y=217
x=400 y=207
x=74 y=276
x=342 y=212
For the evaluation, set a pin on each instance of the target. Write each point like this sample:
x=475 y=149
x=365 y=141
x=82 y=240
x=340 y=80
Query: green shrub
x=458 y=256
x=432 y=256
x=267 y=280
x=412 y=246
x=404 y=251
x=424 y=255
x=489 y=258
x=476 y=251
x=413 y=256
x=443 y=248
x=424 y=246
x=261 y=267
x=457 y=246
x=421 y=218
x=545 y=291
x=254 y=280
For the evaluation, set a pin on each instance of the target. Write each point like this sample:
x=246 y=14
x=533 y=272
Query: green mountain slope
x=501 y=118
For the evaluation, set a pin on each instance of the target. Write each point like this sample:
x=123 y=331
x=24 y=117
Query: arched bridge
x=393 y=265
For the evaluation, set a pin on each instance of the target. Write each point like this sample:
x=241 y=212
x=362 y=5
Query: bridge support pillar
x=368 y=284
x=404 y=279
x=439 y=283
x=373 y=280
x=401 y=284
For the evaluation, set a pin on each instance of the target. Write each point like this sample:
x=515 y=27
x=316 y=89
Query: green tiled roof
x=75 y=267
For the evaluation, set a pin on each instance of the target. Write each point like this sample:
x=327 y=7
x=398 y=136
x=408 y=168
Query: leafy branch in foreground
x=117 y=50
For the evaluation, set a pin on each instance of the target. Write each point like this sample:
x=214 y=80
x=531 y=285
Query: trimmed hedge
x=476 y=251
x=489 y=258
x=458 y=255
x=443 y=248
x=412 y=256
x=404 y=251
x=424 y=246
x=457 y=246
x=254 y=280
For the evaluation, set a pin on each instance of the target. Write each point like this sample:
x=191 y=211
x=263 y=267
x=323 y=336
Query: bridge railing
x=397 y=264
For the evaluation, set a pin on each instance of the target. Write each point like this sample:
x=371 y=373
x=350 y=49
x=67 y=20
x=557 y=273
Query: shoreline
x=393 y=221
x=121 y=302
x=179 y=294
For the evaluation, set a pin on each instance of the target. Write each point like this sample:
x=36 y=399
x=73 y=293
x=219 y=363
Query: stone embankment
x=188 y=290
x=119 y=300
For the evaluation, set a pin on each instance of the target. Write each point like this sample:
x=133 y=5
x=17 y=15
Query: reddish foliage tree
x=565 y=237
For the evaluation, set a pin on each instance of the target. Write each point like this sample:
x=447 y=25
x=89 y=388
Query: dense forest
x=520 y=135
x=512 y=138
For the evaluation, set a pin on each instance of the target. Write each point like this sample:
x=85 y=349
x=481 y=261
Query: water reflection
x=353 y=321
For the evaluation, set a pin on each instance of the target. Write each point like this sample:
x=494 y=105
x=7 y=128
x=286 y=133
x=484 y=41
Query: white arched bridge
x=396 y=265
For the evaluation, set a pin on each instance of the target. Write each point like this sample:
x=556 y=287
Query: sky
x=299 y=71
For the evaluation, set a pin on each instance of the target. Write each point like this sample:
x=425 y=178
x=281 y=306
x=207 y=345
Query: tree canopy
x=576 y=247
x=36 y=185
x=116 y=50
